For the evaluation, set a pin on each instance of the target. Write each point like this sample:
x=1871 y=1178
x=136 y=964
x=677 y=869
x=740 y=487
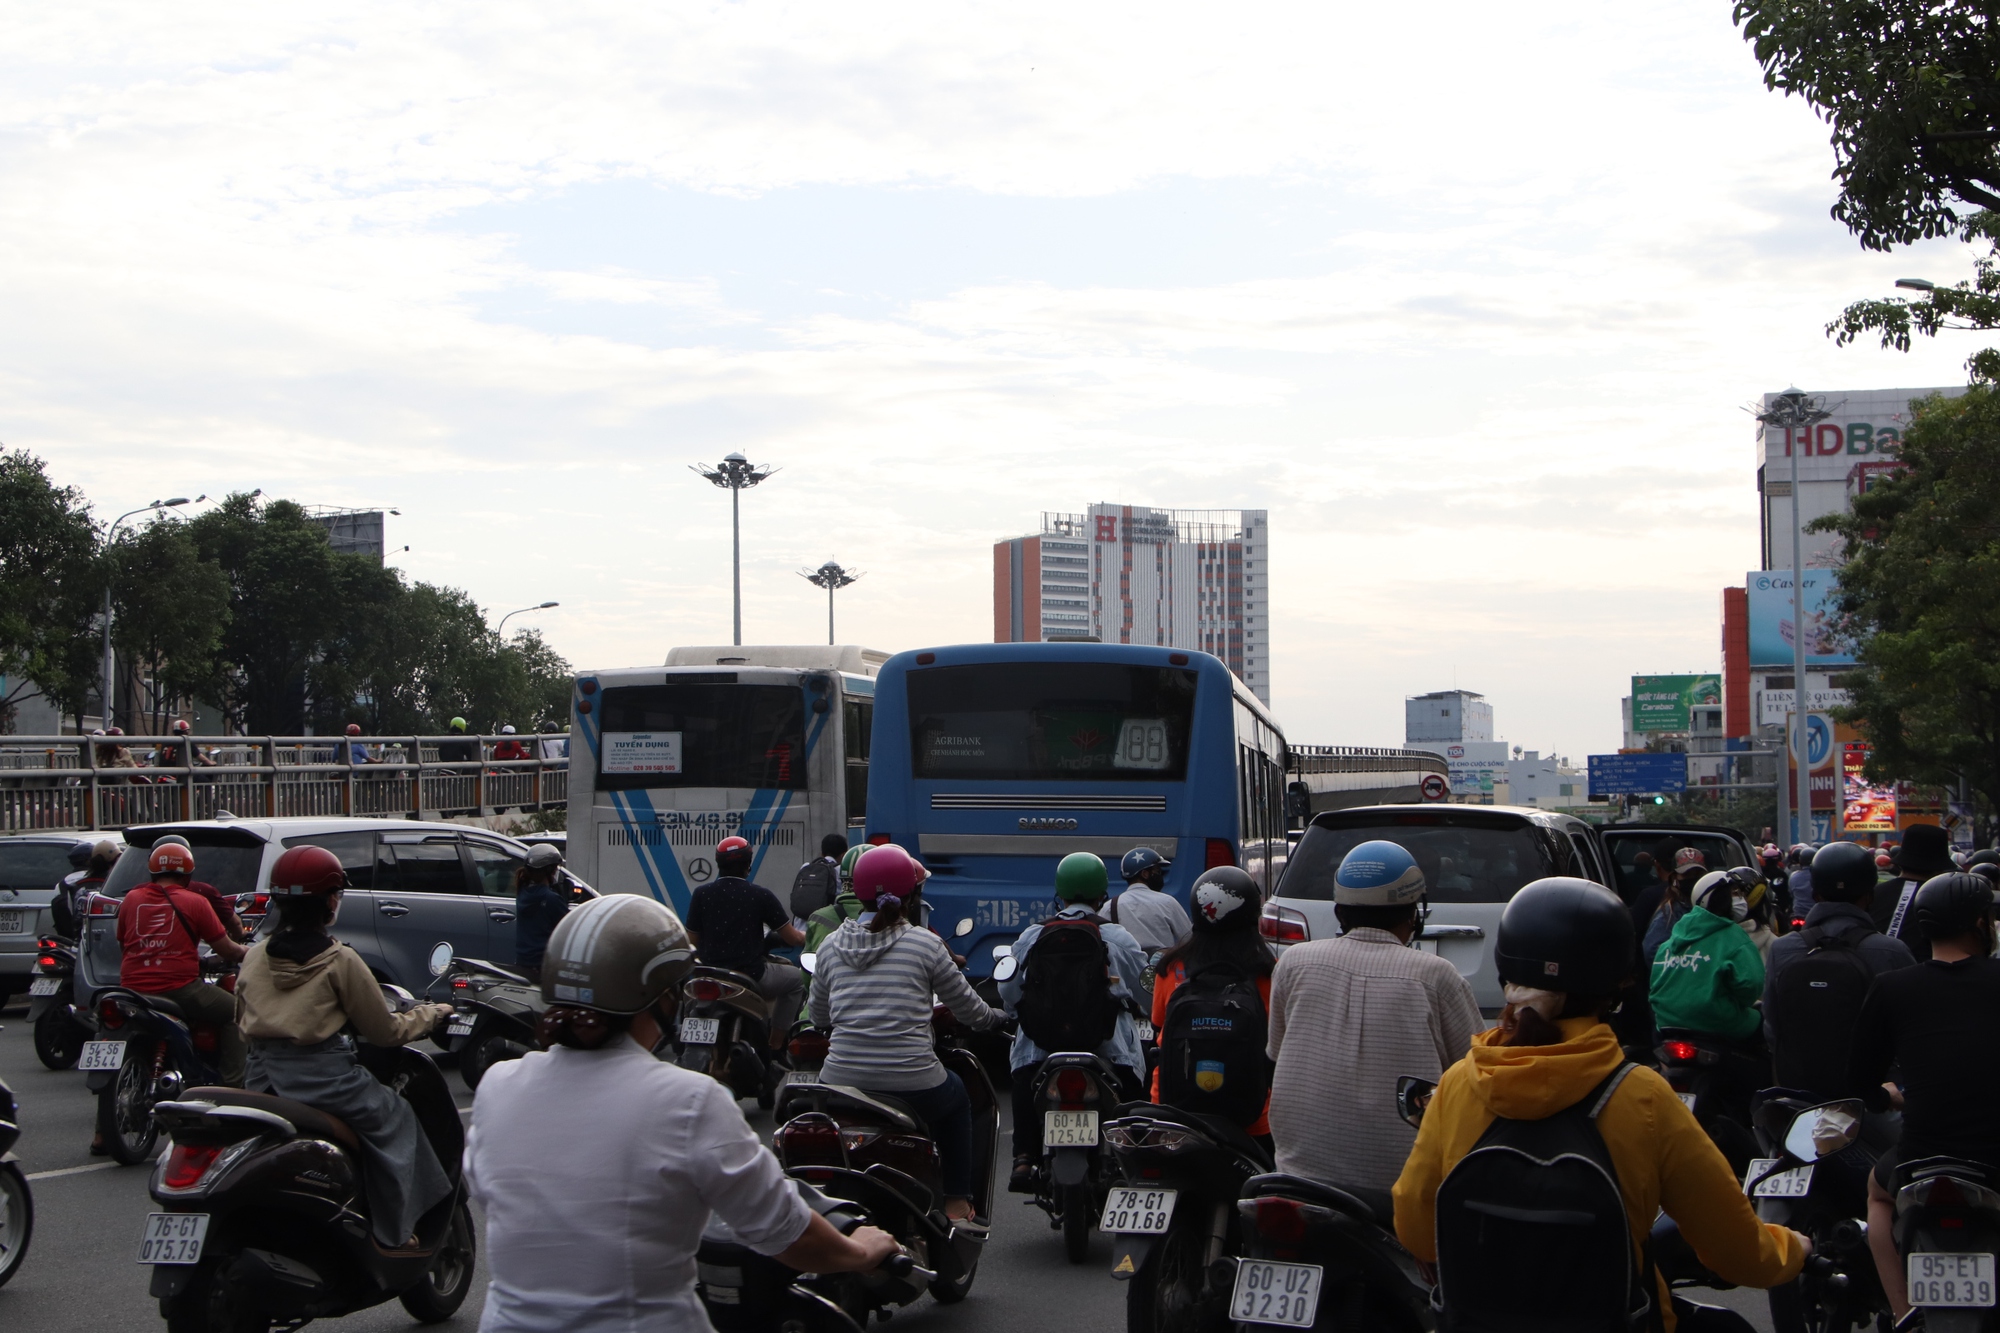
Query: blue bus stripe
x=661 y=867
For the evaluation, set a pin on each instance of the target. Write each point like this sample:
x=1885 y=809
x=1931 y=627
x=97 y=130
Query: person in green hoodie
x=1709 y=975
x=844 y=907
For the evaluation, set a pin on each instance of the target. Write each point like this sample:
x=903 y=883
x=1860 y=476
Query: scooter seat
x=1230 y=1135
x=306 y=1119
x=1370 y=1205
x=796 y=1099
x=162 y=1004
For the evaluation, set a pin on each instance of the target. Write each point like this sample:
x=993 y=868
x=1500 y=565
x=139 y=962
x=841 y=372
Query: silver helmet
x=617 y=954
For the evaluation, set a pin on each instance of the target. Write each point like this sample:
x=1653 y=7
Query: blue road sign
x=1637 y=774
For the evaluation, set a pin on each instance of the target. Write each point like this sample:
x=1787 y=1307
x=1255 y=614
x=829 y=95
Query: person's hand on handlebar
x=822 y=1249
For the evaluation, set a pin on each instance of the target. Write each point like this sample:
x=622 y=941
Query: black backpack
x=1212 y=1045
x=814 y=887
x=1815 y=1002
x=1532 y=1233
x=1066 y=1002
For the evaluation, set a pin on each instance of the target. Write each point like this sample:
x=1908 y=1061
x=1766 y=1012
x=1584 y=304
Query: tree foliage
x=1908 y=88
x=1917 y=595
x=170 y=608
x=1969 y=305
x=50 y=586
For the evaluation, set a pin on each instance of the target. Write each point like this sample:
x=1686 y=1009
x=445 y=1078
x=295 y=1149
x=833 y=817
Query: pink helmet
x=884 y=873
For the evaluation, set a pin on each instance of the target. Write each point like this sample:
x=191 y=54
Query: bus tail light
x=1219 y=853
x=880 y=839
x=1281 y=925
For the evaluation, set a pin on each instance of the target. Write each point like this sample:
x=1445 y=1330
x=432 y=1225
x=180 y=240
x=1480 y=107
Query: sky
x=1470 y=297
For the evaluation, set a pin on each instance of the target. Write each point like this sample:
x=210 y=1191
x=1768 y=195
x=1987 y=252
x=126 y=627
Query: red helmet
x=354 y=728
x=181 y=727
x=884 y=872
x=304 y=871
x=170 y=858
x=732 y=851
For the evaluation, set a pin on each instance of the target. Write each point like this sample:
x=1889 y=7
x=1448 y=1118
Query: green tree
x=1969 y=305
x=1917 y=595
x=1908 y=88
x=50 y=586
x=170 y=608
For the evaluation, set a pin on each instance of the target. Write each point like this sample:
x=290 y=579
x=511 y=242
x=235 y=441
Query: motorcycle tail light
x=1282 y=925
x=809 y=1046
x=1218 y=852
x=1281 y=1220
x=460 y=983
x=46 y=961
x=809 y=1140
x=1684 y=1051
x=227 y=982
x=110 y=1014
x=1072 y=1088
x=188 y=1163
x=703 y=988
x=853 y=1140
x=204 y=1039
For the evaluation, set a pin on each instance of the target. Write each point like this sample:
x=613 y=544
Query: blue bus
x=993 y=761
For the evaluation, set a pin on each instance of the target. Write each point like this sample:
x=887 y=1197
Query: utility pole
x=831 y=577
x=105 y=681
x=736 y=474
x=1795 y=413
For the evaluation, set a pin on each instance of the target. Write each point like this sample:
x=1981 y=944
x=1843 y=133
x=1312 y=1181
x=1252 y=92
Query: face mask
x=1739 y=908
x=1547 y=1003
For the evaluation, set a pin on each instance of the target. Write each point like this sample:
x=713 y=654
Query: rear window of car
x=1465 y=858
x=33 y=865
x=232 y=866
x=1718 y=851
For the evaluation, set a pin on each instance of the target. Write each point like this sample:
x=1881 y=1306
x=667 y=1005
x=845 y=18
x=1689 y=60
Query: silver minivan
x=31 y=865
x=1473 y=857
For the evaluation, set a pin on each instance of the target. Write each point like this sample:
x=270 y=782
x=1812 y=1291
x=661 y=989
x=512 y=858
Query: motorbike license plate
x=101 y=1055
x=1283 y=1294
x=1069 y=1129
x=460 y=1027
x=1130 y=1211
x=173 y=1238
x=11 y=923
x=1144 y=1029
x=1687 y=1100
x=1951 y=1279
x=1792 y=1184
x=699 y=1031
x=45 y=986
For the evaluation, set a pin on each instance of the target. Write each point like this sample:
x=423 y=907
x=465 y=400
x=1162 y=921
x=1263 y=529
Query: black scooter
x=1948 y=1232
x=1812 y=1176
x=747 y=1292
x=59 y=1038
x=495 y=1011
x=1073 y=1089
x=1715 y=1081
x=266 y=1220
x=1319 y=1257
x=17 y=1201
x=144 y=1053
x=724 y=1032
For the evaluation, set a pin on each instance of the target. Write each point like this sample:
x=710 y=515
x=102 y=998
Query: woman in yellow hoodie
x=1564 y=947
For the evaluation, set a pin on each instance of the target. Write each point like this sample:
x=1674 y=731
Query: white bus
x=767 y=742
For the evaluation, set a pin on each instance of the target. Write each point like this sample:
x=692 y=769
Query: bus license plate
x=1069 y=1129
x=99 y=1056
x=1137 y=1212
x=699 y=1031
x=1283 y=1294
x=11 y=923
x=45 y=986
x=173 y=1238
x=1951 y=1279
x=1793 y=1184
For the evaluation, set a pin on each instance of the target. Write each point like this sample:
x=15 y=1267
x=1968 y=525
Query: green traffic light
x=1659 y=800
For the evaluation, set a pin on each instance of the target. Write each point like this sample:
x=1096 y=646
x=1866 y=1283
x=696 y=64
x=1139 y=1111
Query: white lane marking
x=71 y=1171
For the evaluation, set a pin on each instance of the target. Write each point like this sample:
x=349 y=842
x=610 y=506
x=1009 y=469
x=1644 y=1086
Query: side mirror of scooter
x=1004 y=965
x=440 y=957
x=810 y=962
x=963 y=928
x=1822 y=1131
x=1413 y=1098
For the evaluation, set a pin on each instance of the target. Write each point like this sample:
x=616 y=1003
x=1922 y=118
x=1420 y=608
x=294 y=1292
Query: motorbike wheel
x=444 y=1287
x=1164 y=1296
x=945 y=1291
x=17 y=1220
x=125 y=1108
x=59 y=1039
x=1078 y=1203
x=204 y=1306
x=476 y=1059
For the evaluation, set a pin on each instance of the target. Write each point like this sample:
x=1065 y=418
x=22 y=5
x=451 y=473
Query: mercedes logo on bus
x=699 y=870
x=1063 y=825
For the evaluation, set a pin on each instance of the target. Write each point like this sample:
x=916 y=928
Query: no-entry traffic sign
x=1434 y=787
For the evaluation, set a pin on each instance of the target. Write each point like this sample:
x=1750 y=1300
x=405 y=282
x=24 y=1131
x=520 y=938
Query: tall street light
x=1795 y=413
x=539 y=606
x=736 y=474
x=831 y=577
x=104 y=682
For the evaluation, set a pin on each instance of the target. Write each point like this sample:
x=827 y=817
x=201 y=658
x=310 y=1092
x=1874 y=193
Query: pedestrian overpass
x=1335 y=777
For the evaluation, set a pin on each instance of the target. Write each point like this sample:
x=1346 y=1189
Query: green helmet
x=458 y=724
x=1080 y=878
x=847 y=864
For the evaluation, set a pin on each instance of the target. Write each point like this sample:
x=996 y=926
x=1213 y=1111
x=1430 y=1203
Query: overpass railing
x=91 y=782
x=1310 y=759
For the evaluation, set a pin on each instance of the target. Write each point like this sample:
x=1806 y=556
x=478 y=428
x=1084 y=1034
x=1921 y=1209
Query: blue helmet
x=1140 y=860
x=1378 y=874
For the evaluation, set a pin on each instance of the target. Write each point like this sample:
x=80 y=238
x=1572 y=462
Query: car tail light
x=1684 y=1051
x=1282 y=925
x=1220 y=852
x=1281 y=1220
x=103 y=905
x=110 y=1014
x=1072 y=1089
x=188 y=1163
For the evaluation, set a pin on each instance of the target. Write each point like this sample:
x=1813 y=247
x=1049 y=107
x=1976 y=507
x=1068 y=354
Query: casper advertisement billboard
x=1772 y=631
x=1662 y=703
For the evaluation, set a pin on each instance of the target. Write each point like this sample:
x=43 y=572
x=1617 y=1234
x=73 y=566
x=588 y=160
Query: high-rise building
x=1446 y=715
x=1179 y=578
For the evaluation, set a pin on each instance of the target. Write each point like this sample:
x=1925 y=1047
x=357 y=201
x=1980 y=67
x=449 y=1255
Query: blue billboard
x=1771 y=630
x=1637 y=774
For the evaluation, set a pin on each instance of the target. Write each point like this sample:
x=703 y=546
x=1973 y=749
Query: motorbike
x=59 y=1037
x=495 y=1011
x=872 y=1150
x=17 y=1201
x=1713 y=1080
x=144 y=1052
x=747 y=1292
x=1811 y=1175
x=1173 y=1215
x=265 y=1220
x=1948 y=1232
x=724 y=1033
x=1074 y=1089
x=1315 y=1256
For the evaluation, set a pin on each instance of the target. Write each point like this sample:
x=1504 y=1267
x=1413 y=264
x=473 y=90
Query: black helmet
x=79 y=855
x=1842 y=872
x=1984 y=857
x=1952 y=903
x=1565 y=934
x=1987 y=870
x=1224 y=899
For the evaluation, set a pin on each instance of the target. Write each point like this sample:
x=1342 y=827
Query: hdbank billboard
x=1772 y=632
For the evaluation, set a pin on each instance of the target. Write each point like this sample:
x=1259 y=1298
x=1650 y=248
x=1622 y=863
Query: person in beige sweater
x=299 y=996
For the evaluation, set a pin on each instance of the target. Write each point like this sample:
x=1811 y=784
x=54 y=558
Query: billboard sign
x=1637 y=774
x=1823 y=757
x=1865 y=807
x=1771 y=629
x=1663 y=703
x=1775 y=706
x=1475 y=777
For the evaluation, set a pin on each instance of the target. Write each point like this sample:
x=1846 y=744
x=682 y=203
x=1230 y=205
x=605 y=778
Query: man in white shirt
x=1361 y=1011
x=1152 y=916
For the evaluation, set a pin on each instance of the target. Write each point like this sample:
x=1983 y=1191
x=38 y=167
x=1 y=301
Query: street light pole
x=539 y=606
x=1795 y=412
x=831 y=577
x=104 y=680
x=735 y=474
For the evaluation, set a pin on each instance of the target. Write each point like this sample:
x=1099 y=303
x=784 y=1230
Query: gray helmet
x=617 y=954
x=173 y=839
x=542 y=856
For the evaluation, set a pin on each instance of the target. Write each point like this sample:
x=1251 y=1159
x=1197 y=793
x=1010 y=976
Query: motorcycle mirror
x=963 y=928
x=1413 y=1098
x=1822 y=1131
x=440 y=957
x=810 y=962
x=1003 y=951
x=1004 y=965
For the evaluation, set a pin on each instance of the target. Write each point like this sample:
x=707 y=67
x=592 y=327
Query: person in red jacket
x=160 y=925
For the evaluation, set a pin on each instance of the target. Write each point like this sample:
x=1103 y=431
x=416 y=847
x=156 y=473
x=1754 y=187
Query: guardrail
x=95 y=782
x=1307 y=759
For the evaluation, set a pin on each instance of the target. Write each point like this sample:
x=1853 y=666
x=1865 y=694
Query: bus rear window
x=1051 y=721
x=702 y=735
x=1463 y=862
